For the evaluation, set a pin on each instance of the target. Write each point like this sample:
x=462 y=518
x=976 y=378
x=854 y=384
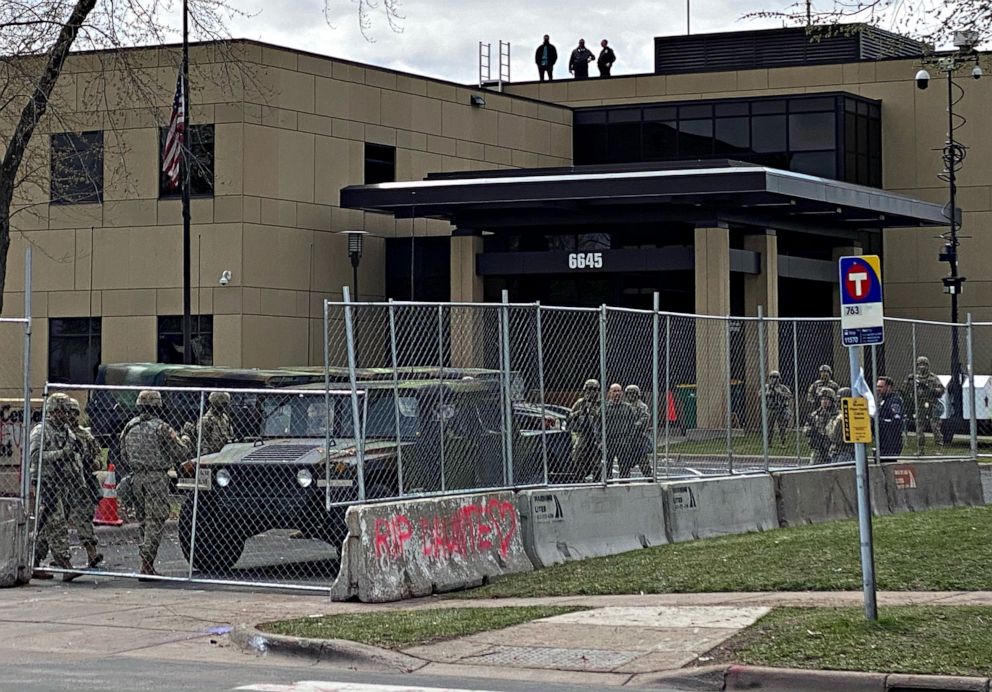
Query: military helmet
x=923 y=360
x=844 y=392
x=632 y=389
x=219 y=398
x=58 y=401
x=826 y=368
x=775 y=374
x=591 y=384
x=74 y=405
x=149 y=397
x=827 y=392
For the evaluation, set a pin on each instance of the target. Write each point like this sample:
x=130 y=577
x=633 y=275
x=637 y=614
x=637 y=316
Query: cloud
x=440 y=38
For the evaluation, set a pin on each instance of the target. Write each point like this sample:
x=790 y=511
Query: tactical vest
x=143 y=447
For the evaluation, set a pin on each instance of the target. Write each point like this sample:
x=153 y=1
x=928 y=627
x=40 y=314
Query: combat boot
x=92 y=556
x=38 y=574
x=147 y=569
x=64 y=563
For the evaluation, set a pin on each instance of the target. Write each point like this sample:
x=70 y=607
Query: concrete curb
x=741 y=677
x=337 y=652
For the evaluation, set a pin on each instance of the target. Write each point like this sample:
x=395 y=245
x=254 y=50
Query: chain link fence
x=15 y=408
x=243 y=486
x=565 y=395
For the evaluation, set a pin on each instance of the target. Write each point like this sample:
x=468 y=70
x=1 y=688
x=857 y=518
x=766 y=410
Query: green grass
x=935 y=640
x=939 y=550
x=405 y=628
x=750 y=444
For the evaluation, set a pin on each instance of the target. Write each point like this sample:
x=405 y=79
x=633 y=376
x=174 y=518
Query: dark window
x=77 y=167
x=170 y=339
x=695 y=138
x=380 y=163
x=432 y=268
x=625 y=134
x=768 y=133
x=660 y=140
x=73 y=349
x=200 y=154
x=732 y=136
x=818 y=163
x=809 y=131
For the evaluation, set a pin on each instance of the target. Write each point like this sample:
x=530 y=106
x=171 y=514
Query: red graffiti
x=470 y=530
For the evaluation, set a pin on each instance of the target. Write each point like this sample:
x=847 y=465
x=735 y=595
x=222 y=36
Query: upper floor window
x=77 y=167
x=170 y=339
x=73 y=349
x=380 y=163
x=200 y=155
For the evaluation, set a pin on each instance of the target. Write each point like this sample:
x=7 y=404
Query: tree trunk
x=32 y=113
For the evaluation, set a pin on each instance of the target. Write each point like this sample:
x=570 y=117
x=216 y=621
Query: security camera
x=922 y=79
x=225 y=277
x=976 y=72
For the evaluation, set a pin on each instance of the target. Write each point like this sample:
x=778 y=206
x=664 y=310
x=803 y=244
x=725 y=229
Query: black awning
x=700 y=192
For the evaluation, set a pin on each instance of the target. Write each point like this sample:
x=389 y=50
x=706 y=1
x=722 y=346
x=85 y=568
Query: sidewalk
x=625 y=640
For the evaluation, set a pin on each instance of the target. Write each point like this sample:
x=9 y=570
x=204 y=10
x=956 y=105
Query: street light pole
x=355 y=242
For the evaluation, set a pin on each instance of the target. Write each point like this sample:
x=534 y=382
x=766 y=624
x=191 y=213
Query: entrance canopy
x=706 y=193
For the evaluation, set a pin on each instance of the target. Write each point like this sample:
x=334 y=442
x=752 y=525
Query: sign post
x=861 y=325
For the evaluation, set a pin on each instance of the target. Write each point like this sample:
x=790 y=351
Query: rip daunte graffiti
x=474 y=529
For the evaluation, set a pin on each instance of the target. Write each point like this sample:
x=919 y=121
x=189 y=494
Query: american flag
x=172 y=154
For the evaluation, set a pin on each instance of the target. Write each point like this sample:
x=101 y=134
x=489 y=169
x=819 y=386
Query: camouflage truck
x=436 y=436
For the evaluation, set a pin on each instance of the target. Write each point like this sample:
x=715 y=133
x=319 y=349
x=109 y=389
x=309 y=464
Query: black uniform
x=579 y=62
x=890 y=423
x=545 y=58
x=606 y=59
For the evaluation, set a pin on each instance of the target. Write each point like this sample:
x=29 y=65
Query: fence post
x=327 y=406
x=761 y=387
x=507 y=404
x=874 y=374
x=26 y=360
x=607 y=467
x=396 y=395
x=353 y=378
x=196 y=488
x=795 y=383
x=655 y=384
x=729 y=406
x=540 y=387
x=39 y=470
x=973 y=421
x=440 y=370
x=916 y=398
x=668 y=387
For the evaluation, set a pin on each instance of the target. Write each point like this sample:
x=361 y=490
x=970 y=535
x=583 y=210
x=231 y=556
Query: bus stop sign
x=861 y=319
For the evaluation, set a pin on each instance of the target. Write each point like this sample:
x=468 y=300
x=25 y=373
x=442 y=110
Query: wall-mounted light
x=477 y=101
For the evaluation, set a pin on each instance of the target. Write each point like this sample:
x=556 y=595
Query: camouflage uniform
x=215 y=427
x=816 y=427
x=151 y=447
x=637 y=445
x=840 y=450
x=825 y=380
x=53 y=455
x=778 y=399
x=85 y=494
x=928 y=398
x=585 y=424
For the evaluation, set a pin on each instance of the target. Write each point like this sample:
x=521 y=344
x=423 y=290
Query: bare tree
x=367 y=9
x=933 y=22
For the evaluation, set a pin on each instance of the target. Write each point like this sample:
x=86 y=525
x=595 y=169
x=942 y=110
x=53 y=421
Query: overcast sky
x=441 y=38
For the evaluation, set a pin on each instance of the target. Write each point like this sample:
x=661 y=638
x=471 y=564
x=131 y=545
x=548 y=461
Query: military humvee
x=447 y=433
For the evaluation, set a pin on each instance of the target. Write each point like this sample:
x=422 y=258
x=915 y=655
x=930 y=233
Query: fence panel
x=229 y=486
x=12 y=406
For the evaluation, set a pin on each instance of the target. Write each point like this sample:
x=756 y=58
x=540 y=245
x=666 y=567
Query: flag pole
x=184 y=176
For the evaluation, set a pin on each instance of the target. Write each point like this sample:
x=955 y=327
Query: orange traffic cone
x=106 y=511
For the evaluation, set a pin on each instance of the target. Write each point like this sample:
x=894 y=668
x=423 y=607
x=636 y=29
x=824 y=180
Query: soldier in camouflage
x=778 y=399
x=928 y=396
x=816 y=426
x=840 y=450
x=826 y=380
x=215 y=427
x=151 y=448
x=86 y=495
x=54 y=456
x=585 y=424
x=634 y=451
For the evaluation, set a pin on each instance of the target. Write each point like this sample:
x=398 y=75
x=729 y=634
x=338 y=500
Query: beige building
x=277 y=134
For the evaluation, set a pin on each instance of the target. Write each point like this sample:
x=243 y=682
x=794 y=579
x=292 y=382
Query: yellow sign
x=857 y=422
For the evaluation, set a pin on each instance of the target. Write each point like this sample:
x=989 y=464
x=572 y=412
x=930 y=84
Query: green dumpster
x=685 y=405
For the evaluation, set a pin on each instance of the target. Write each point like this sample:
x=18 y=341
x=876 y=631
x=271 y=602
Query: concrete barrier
x=814 y=495
x=920 y=485
x=564 y=524
x=15 y=557
x=398 y=550
x=710 y=507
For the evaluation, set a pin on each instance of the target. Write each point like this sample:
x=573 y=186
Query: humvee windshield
x=306 y=416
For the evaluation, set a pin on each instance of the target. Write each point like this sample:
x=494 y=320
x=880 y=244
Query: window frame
x=199 y=185
x=382 y=156
x=74 y=152
x=202 y=325
x=75 y=329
